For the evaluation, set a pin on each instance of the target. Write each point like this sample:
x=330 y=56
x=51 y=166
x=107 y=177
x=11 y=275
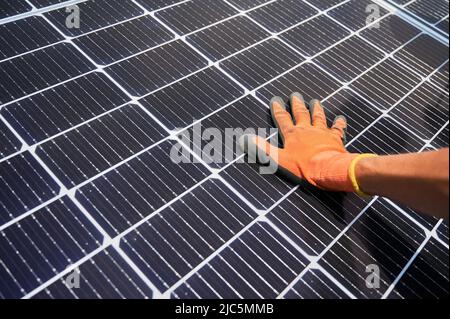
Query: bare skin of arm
x=420 y=181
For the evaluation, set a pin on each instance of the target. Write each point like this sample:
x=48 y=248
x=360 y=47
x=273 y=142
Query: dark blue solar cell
x=228 y=37
x=10 y=8
x=192 y=98
x=94 y=15
x=304 y=37
x=432 y=11
x=392 y=33
x=359 y=113
x=356 y=14
x=424 y=111
x=386 y=137
x=349 y=59
x=282 y=14
x=307 y=79
x=193 y=15
x=261 y=63
x=85 y=152
x=424 y=54
x=25 y=185
x=29 y=34
x=9 y=143
x=105 y=276
x=37 y=248
x=154 y=69
x=121 y=41
x=39 y=70
x=386 y=84
x=53 y=111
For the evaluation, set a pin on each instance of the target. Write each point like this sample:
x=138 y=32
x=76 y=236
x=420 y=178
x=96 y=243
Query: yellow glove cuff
x=352 y=174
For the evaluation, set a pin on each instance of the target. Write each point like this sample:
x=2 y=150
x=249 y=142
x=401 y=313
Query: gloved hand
x=312 y=152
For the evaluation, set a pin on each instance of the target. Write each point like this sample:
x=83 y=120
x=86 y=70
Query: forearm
x=420 y=181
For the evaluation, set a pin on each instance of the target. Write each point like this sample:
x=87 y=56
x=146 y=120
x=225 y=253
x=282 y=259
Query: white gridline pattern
x=262 y=218
x=405 y=8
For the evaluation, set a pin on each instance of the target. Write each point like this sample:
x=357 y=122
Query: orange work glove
x=312 y=151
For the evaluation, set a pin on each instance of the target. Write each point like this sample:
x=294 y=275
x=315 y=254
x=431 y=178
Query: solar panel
x=90 y=116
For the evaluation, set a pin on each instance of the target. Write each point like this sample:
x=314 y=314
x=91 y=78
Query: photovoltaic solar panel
x=90 y=119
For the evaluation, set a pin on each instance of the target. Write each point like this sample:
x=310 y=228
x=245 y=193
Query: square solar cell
x=260 y=64
x=429 y=222
x=10 y=8
x=121 y=41
x=94 y=15
x=424 y=111
x=424 y=54
x=393 y=32
x=355 y=14
x=150 y=70
x=358 y=112
x=307 y=79
x=386 y=137
x=262 y=191
x=431 y=11
x=349 y=59
x=386 y=84
x=87 y=151
x=313 y=219
x=9 y=143
x=39 y=70
x=43 y=245
x=58 y=109
x=193 y=15
x=25 y=185
x=304 y=37
x=192 y=98
x=282 y=14
x=226 y=38
x=29 y=34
